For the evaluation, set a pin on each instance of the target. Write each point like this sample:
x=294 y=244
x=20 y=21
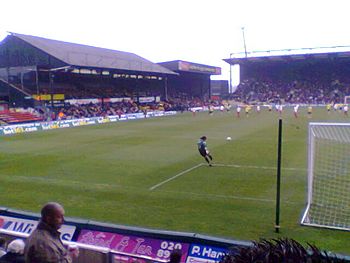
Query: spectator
x=44 y=244
x=2 y=246
x=303 y=89
x=279 y=250
x=15 y=251
x=175 y=256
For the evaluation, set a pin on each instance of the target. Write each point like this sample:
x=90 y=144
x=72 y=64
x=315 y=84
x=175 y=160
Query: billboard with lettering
x=27 y=226
x=39 y=126
x=131 y=259
x=205 y=254
x=134 y=245
x=199 y=68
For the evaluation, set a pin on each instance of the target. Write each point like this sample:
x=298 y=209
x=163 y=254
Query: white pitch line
x=212 y=196
x=257 y=167
x=100 y=186
x=175 y=176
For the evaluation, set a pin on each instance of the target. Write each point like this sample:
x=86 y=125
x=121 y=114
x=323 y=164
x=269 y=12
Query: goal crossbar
x=328 y=194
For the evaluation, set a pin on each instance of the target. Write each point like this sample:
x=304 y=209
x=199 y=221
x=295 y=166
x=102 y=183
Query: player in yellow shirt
x=247 y=110
x=309 y=111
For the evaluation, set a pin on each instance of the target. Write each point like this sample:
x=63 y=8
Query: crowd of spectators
x=185 y=103
x=306 y=91
x=265 y=89
x=75 y=111
x=97 y=110
x=103 y=109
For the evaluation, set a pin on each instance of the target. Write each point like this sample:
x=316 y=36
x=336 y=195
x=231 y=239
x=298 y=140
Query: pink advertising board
x=151 y=247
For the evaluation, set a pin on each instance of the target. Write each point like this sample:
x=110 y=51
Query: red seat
x=12 y=117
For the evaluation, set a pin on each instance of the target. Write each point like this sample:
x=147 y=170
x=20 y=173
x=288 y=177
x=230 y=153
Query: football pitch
x=148 y=173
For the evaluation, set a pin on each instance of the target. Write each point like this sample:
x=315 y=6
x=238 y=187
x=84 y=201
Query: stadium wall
x=110 y=243
x=124 y=241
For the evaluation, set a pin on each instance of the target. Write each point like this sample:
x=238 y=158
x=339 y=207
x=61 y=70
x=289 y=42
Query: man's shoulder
x=39 y=234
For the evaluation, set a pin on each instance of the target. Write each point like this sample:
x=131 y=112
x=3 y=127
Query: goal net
x=328 y=200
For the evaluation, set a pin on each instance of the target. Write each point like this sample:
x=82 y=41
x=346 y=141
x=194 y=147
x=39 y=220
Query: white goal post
x=328 y=195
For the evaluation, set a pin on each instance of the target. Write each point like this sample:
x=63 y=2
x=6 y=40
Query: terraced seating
x=14 y=117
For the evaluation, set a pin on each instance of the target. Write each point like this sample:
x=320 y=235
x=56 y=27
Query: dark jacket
x=44 y=245
x=10 y=257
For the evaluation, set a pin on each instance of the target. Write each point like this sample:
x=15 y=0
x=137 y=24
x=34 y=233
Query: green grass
x=104 y=173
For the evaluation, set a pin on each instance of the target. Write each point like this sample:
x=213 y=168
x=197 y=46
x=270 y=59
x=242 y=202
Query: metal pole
x=8 y=64
x=37 y=80
x=209 y=88
x=230 y=84
x=245 y=47
x=278 y=185
x=22 y=85
x=166 y=88
x=51 y=88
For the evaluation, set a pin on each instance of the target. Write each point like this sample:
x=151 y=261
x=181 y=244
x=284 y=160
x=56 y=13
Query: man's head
x=203 y=138
x=175 y=256
x=16 y=246
x=53 y=215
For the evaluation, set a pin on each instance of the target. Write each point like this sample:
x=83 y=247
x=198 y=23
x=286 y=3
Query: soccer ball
x=228 y=138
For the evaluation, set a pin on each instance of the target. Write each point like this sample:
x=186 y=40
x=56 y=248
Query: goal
x=328 y=195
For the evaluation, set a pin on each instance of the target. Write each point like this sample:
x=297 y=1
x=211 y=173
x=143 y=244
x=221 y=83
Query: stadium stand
x=303 y=78
x=95 y=107
x=296 y=91
x=16 y=117
x=38 y=69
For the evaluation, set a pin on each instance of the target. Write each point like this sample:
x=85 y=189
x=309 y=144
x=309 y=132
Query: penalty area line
x=175 y=176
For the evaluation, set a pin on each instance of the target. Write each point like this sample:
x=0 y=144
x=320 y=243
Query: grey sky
x=198 y=31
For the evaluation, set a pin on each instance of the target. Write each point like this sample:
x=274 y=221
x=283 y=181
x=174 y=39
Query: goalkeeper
x=203 y=150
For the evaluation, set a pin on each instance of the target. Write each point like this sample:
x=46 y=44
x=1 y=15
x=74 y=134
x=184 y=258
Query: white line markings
x=212 y=196
x=99 y=186
x=188 y=170
x=222 y=165
x=257 y=167
x=175 y=176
